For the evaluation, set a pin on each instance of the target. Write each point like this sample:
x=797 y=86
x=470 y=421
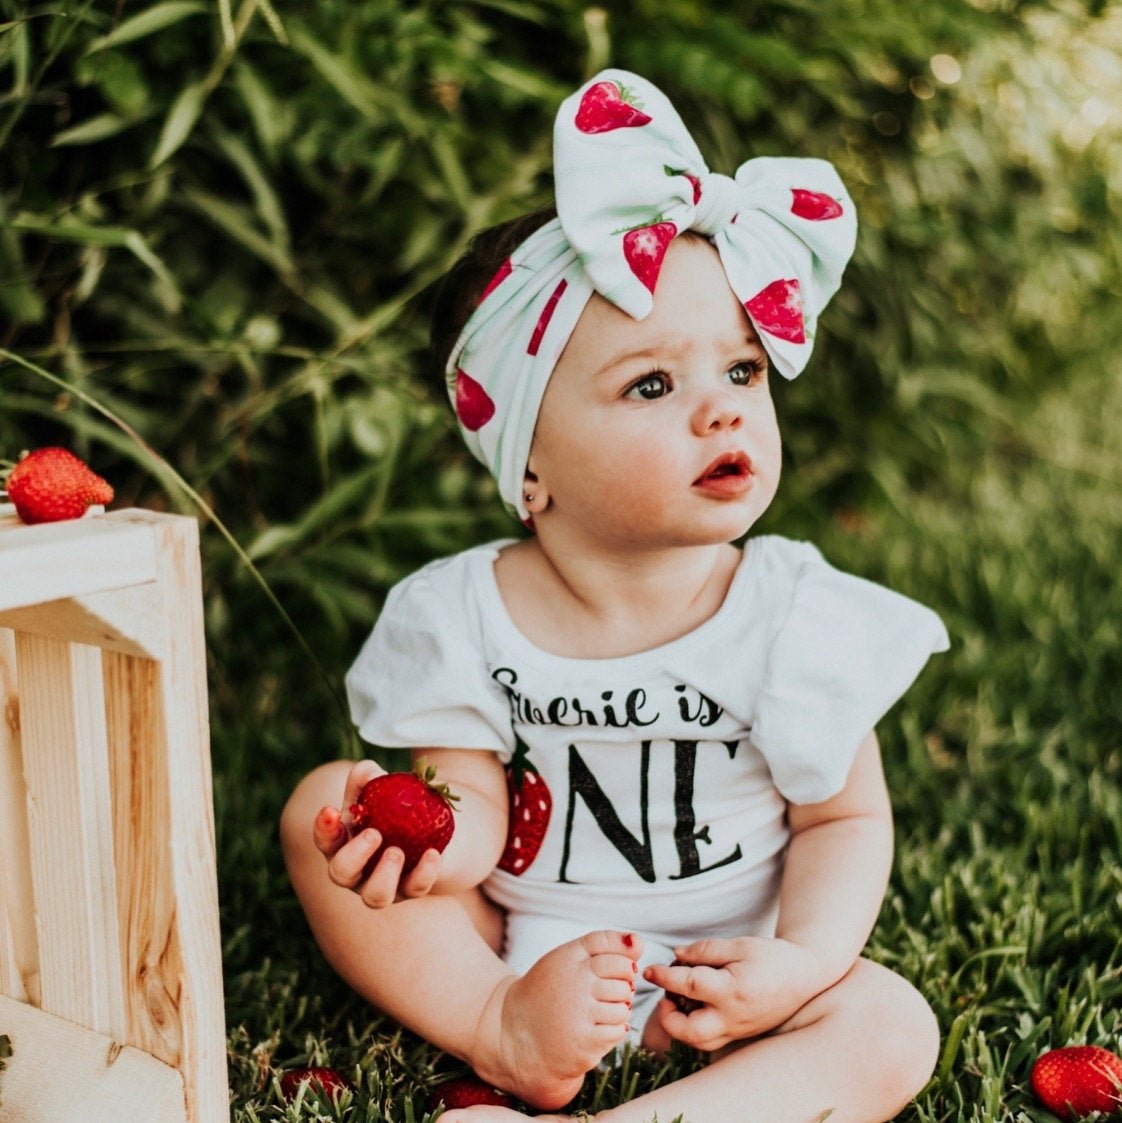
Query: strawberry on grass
x=319 y=1078
x=1078 y=1079
x=52 y=484
x=468 y=1091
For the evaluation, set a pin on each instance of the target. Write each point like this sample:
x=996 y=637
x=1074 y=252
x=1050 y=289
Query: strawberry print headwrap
x=629 y=178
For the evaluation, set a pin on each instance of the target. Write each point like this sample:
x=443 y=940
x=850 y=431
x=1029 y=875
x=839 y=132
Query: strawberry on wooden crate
x=1078 y=1079
x=409 y=809
x=52 y=484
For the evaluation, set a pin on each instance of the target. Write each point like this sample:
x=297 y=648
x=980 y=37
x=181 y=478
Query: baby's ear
x=534 y=493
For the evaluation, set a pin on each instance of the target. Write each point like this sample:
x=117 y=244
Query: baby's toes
x=614 y=992
x=607 y=942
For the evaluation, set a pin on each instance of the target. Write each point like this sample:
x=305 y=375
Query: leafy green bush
x=221 y=224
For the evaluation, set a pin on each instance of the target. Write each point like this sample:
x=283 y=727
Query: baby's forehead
x=692 y=297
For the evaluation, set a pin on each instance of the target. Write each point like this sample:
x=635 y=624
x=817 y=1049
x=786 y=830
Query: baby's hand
x=348 y=853
x=748 y=985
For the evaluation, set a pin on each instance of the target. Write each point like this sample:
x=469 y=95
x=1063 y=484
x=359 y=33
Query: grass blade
x=157 y=18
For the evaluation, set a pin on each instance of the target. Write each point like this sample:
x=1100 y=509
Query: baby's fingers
x=423 y=876
x=361 y=774
x=347 y=865
x=703 y=984
x=328 y=831
x=712 y=952
x=704 y=1029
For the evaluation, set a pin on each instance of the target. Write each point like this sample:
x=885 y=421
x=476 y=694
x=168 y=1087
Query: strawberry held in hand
x=467 y=1091
x=52 y=484
x=409 y=810
x=1077 y=1080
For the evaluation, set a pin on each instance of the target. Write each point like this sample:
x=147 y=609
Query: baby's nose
x=718 y=411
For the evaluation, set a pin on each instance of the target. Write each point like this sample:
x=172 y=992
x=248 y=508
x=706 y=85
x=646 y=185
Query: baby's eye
x=649 y=387
x=747 y=372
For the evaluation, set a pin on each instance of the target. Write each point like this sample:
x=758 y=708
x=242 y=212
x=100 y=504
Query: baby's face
x=660 y=432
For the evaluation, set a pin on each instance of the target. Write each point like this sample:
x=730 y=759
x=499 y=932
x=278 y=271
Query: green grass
x=1006 y=900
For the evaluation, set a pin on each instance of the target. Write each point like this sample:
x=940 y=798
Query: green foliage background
x=219 y=226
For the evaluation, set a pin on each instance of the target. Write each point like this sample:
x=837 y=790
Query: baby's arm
x=834 y=878
x=480 y=819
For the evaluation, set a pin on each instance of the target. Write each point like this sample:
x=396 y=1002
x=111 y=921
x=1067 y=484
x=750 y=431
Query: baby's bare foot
x=552 y=1025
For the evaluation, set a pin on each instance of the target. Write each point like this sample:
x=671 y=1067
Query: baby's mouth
x=730 y=466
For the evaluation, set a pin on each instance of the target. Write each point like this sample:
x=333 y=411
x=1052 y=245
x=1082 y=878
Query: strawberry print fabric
x=629 y=179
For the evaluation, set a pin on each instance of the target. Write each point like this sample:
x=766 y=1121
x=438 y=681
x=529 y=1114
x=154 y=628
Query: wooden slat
x=63 y=1073
x=164 y=827
x=66 y=769
x=54 y=561
x=126 y=620
x=19 y=949
x=153 y=960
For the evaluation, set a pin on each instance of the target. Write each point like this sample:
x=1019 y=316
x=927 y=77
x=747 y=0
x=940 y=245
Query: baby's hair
x=458 y=292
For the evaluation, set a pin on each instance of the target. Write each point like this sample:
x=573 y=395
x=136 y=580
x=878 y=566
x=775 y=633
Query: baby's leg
x=859 y=1051
x=432 y=964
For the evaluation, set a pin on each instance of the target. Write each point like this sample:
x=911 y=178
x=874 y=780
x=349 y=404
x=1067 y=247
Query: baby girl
x=686 y=715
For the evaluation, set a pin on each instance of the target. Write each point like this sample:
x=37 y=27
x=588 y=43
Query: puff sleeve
x=419 y=680
x=846 y=651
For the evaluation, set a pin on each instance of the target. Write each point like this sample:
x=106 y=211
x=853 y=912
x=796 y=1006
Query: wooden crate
x=110 y=959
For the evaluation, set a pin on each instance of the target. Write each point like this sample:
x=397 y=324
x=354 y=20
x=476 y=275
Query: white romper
x=669 y=770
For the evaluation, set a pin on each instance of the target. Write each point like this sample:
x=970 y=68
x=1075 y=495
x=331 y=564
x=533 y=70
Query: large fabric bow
x=629 y=178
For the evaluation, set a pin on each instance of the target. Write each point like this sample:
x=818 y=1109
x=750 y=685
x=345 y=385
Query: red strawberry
x=607 y=106
x=814 y=205
x=531 y=805
x=467 y=1091
x=686 y=1005
x=51 y=484
x=473 y=407
x=644 y=247
x=411 y=812
x=778 y=310
x=1077 y=1080
x=320 y=1079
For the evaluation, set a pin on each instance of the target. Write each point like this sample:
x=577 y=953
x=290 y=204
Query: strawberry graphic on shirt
x=644 y=247
x=609 y=105
x=814 y=205
x=531 y=805
x=778 y=310
x=473 y=406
